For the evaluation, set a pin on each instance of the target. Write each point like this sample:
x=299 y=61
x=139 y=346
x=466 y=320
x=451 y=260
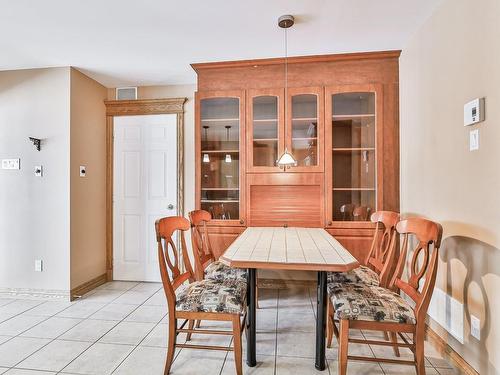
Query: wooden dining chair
x=361 y=213
x=378 y=266
x=346 y=211
x=197 y=300
x=366 y=307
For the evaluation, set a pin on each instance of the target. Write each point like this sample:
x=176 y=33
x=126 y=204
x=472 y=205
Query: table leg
x=321 y=322
x=251 y=324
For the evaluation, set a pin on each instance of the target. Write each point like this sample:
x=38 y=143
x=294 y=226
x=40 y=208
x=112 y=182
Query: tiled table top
x=312 y=249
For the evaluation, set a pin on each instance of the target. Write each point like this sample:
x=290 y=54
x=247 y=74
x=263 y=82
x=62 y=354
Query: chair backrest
x=346 y=210
x=361 y=213
x=423 y=264
x=168 y=256
x=383 y=249
x=202 y=249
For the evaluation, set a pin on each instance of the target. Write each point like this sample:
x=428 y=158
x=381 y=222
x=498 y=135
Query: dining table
x=294 y=249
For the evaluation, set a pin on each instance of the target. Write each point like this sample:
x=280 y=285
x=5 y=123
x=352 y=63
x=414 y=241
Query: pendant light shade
x=206 y=158
x=286 y=159
x=228 y=158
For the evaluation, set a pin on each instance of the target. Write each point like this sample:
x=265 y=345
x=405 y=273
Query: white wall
x=34 y=212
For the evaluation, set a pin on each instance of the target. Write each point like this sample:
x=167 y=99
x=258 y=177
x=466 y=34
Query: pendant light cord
x=286 y=82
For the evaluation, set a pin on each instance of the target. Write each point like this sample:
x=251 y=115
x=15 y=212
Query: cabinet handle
x=329 y=223
x=242 y=221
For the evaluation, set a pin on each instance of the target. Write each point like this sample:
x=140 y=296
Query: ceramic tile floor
x=121 y=328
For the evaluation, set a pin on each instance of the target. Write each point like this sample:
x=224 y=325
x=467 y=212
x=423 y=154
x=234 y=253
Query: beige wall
x=88 y=195
x=453 y=58
x=34 y=211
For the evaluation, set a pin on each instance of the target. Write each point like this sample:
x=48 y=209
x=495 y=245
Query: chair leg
x=198 y=323
x=418 y=338
x=237 y=345
x=329 y=326
x=343 y=346
x=394 y=339
x=172 y=328
x=190 y=326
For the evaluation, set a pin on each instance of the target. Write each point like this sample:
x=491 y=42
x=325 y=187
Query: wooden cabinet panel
x=221 y=237
x=278 y=199
x=358 y=165
x=358 y=242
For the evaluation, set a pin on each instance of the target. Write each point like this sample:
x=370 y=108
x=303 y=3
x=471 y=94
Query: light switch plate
x=83 y=171
x=475 y=327
x=11 y=164
x=474 y=140
x=38 y=171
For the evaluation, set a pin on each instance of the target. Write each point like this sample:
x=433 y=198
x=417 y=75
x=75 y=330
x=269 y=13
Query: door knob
x=170 y=206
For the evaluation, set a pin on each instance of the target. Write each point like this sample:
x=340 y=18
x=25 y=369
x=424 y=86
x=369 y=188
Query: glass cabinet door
x=354 y=166
x=220 y=155
x=265 y=137
x=304 y=128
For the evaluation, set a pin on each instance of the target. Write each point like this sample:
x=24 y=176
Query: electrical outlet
x=474 y=140
x=475 y=327
x=38 y=265
x=38 y=171
x=10 y=164
x=83 y=171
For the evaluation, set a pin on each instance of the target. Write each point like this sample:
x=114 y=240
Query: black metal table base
x=321 y=322
x=251 y=323
x=320 y=363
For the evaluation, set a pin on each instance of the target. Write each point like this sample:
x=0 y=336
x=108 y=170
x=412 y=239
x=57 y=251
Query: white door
x=144 y=189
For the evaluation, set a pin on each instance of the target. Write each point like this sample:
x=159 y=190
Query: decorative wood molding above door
x=135 y=108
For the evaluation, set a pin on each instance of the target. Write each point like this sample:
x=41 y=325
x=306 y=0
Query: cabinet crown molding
x=298 y=59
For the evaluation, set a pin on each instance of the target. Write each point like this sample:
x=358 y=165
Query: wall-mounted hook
x=37 y=143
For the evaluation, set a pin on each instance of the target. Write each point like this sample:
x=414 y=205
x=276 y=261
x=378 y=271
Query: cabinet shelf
x=304 y=138
x=265 y=120
x=220 y=151
x=219 y=201
x=305 y=119
x=349 y=149
x=219 y=119
x=220 y=189
x=353 y=115
x=265 y=139
x=353 y=189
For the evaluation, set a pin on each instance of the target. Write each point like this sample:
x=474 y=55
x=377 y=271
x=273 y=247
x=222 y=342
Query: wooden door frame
x=115 y=108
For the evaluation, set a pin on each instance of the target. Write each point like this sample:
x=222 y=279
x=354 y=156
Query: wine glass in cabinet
x=220 y=133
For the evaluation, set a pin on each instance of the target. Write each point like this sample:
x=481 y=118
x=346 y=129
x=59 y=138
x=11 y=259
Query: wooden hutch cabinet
x=339 y=119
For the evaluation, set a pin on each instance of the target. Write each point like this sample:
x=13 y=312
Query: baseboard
x=31 y=293
x=80 y=290
x=443 y=348
x=284 y=284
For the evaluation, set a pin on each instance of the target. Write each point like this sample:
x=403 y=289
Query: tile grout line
x=52 y=340
x=118 y=322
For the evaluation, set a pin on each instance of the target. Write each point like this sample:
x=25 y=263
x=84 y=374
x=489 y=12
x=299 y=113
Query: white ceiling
x=150 y=42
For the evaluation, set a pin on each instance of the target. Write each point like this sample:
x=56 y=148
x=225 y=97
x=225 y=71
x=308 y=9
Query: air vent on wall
x=126 y=93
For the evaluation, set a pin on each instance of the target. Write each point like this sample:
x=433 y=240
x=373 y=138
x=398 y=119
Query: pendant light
x=228 y=156
x=206 y=157
x=286 y=159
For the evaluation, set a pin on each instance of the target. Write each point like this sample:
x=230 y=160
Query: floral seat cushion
x=369 y=303
x=220 y=272
x=212 y=296
x=358 y=275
